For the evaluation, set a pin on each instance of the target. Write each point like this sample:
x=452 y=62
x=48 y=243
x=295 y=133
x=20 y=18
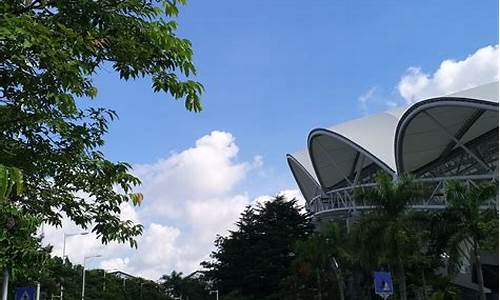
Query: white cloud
x=215 y=215
x=128 y=212
x=205 y=171
x=258 y=162
x=364 y=99
x=115 y=264
x=452 y=76
x=189 y=198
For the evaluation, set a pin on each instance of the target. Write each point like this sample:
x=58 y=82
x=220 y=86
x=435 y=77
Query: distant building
x=122 y=275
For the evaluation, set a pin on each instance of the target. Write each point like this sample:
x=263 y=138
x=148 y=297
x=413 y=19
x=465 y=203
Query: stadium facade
x=435 y=140
x=438 y=139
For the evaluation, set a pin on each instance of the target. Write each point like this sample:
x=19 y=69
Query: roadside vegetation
x=423 y=250
x=276 y=252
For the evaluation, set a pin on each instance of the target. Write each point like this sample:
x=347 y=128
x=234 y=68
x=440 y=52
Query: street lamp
x=216 y=292
x=67 y=235
x=104 y=277
x=83 y=276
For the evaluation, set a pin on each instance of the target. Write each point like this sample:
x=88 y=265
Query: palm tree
x=173 y=283
x=386 y=235
x=468 y=208
x=320 y=254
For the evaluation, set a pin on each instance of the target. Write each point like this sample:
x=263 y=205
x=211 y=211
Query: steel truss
x=342 y=201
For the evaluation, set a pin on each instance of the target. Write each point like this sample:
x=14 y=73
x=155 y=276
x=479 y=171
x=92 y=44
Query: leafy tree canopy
x=50 y=51
x=255 y=258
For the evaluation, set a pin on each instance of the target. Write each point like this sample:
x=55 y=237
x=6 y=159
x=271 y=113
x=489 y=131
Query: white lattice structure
x=449 y=137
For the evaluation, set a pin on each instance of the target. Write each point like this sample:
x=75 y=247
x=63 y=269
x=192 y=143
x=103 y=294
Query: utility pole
x=83 y=275
x=37 y=291
x=66 y=235
x=216 y=292
x=5 y=284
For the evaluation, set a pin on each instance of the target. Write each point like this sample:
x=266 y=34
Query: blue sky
x=273 y=70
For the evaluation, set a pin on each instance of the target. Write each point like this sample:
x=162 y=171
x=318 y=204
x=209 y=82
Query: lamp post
x=142 y=283
x=67 y=235
x=104 y=278
x=216 y=292
x=83 y=275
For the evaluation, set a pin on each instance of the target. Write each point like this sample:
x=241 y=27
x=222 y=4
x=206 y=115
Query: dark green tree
x=253 y=260
x=50 y=52
x=471 y=222
x=316 y=268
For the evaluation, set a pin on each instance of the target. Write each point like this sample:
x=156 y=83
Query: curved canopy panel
x=452 y=135
x=487 y=92
x=351 y=152
x=302 y=171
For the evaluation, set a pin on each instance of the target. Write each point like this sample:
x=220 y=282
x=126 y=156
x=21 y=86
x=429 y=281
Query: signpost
x=25 y=293
x=383 y=284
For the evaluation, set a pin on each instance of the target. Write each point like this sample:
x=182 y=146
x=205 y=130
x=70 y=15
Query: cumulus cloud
x=115 y=264
x=189 y=198
x=209 y=169
x=452 y=76
x=214 y=215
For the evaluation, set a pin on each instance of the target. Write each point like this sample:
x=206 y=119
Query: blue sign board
x=25 y=293
x=383 y=284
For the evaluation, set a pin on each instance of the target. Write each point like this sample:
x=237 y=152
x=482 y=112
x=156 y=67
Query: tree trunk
x=340 y=281
x=357 y=285
x=424 y=286
x=402 y=280
x=350 y=286
x=318 y=278
x=479 y=272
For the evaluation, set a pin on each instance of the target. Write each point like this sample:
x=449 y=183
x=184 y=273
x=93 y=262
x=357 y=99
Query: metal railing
x=344 y=200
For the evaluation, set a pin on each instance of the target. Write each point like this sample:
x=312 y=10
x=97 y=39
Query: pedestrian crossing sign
x=383 y=284
x=25 y=293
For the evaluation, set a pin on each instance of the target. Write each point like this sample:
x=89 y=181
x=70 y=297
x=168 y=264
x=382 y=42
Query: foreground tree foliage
x=253 y=260
x=19 y=249
x=50 y=52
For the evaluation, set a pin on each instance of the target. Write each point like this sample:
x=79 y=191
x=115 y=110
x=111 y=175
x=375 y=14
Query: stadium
x=438 y=139
x=435 y=140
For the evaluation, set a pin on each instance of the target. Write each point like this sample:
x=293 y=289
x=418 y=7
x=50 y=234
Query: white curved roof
x=336 y=152
x=304 y=175
x=374 y=133
x=486 y=92
x=445 y=124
